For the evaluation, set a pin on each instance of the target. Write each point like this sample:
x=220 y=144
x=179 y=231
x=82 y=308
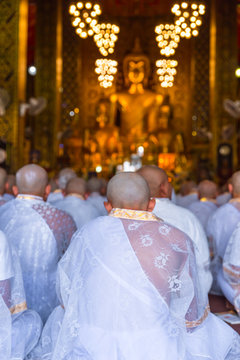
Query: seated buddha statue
x=137 y=105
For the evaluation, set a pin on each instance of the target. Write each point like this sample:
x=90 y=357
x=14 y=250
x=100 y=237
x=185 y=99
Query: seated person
x=229 y=275
x=20 y=328
x=129 y=289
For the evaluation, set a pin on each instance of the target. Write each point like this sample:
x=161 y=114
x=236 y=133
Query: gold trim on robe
x=29 y=197
x=195 y=323
x=133 y=214
x=18 y=308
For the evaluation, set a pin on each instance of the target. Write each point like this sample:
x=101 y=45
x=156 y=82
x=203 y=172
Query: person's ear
x=151 y=205
x=15 y=190
x=230 y=188
x=47 y=190
x=108 y=206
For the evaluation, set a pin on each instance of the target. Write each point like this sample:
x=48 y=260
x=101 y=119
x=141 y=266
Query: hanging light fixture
x=106 y=69
x=188 y=17
x=166 y=71
x=84 y=17
x=105 y=37
x=168 y=38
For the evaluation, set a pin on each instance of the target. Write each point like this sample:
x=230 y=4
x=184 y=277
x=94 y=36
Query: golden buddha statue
x=138 y=106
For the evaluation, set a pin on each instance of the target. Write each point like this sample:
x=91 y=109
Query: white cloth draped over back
x=97 y=200
x=231 y=270
x=40 y=234
x=15 y=319
x=82 y=211
x=128 y=284
x=203 y=209
x=220 y=227
x=184 y=220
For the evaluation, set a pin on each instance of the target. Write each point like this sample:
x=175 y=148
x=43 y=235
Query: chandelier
x=84 y=17
x=188 y=17
x=105 y=37
x=166 y=71
x=106 y=69
x=168 y=38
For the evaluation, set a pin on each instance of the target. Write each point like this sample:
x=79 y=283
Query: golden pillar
x=49 y=78
x=13 y=53
x=223 y=63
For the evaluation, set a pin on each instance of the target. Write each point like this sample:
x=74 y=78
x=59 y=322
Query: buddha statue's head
x=136 y=68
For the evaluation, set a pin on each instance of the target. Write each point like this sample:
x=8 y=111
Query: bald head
x=188 y=187
x=3 y=180
x=157 y=181
x=207 y=189
x=128 y=191
x=76 y=186
x=94 y=185
x=32 y=179
x=64 y=176
x=235 y=182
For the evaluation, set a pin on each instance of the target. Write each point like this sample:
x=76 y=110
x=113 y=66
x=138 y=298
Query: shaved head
x=32 y=179
x=94 y=185
x=157 y=180
x=187 y=187
x=3 y=180
x=128 y=191
x=76 y=186
x=235 y=181
x=207 y=189
x=64 y=176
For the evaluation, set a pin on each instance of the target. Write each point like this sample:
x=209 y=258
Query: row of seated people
x=131 y=285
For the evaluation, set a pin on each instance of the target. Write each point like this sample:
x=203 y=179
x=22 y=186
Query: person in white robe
x=128 y=289
x=8 y=191
x=179 y=217
x=64 y=176
x=229 y=273
x=95 y=198
x=20 y=328
x=40 y=233
x=74 y=203
x=206 y=205
x=220 y=227
x=3 y=180
x=188 y=194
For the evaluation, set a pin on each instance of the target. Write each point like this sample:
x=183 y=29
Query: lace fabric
x=40 y=234
x=130 y=286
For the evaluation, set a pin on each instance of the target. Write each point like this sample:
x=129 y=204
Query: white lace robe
x=220 y=227
x=41 y=234
x=82 y=211
x=128 y=289
x=15 y=319
x=184 y=220
x=229 y=278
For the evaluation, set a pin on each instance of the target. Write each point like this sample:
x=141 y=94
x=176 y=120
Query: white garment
x=187 y=222
x=128 y=287
x=8 y=197
x=98 y=201
x=223 y=198
x=220 y=227
x=13 y=345
x=55 y=196
x=40 y=234
x=186 y=200
x=2 y=200
x=230 y=280
x=203 y=210
x=82 y=211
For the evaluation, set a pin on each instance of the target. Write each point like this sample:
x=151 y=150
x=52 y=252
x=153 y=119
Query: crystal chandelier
x=166 y=71
x=105 y=37
x=84 y=17
x=106 y=69
x=168 y=38
x=188 y=17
